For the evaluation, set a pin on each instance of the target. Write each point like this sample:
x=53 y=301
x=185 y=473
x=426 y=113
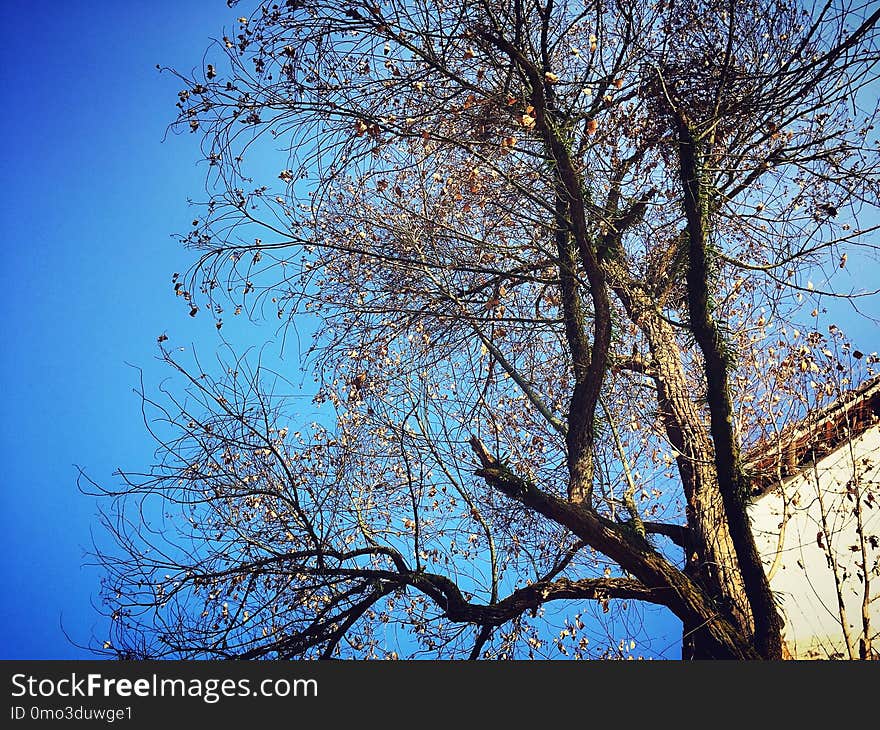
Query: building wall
x=789 y=531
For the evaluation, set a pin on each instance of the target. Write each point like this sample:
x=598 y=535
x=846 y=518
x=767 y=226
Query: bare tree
x=546 y=243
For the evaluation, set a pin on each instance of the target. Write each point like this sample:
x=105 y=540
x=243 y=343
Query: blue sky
x=91 y=196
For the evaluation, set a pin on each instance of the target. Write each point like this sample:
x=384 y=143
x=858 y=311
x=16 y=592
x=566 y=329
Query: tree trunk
x=711 y=560
x=731 y=483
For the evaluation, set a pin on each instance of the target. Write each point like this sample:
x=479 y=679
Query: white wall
x=803 y=581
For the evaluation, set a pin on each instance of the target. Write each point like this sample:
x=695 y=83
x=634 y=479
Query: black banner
x=140 y=694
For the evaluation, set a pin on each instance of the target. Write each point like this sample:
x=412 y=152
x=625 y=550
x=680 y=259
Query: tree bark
x=710 y=556
x=711 y=560
x=731 y=480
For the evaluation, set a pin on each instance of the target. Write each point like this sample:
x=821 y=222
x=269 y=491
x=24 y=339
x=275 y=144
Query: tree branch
x=632 y=553
x=588 y=375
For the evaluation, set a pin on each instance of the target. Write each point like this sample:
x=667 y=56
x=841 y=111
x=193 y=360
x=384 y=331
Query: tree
x=546 y=243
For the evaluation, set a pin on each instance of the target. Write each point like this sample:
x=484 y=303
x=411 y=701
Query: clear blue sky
x=90 y=196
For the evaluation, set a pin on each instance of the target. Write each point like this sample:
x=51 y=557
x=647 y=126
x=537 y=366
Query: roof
x=811 y=438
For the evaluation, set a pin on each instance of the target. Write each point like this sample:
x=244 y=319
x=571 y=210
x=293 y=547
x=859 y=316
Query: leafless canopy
x=553 y=250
